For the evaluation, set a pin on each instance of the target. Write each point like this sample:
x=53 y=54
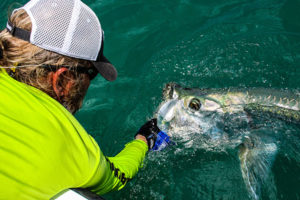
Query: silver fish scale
x=272 y=97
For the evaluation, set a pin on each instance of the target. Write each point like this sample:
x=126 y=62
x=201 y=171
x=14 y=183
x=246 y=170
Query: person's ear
x=58 y=85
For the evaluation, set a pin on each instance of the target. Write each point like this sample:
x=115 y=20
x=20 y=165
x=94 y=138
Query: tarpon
x=213 y=113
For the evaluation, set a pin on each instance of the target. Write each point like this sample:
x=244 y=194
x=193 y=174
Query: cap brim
x=106 y=69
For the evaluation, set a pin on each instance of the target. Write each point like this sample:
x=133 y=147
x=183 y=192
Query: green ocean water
x=196 y=43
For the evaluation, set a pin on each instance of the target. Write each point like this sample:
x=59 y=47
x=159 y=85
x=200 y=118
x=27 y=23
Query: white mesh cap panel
x=67 y=27
x=86 y=39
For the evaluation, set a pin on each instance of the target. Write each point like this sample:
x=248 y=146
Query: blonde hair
x=23 y=53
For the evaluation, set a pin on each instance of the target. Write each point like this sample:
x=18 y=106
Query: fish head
x=196 y=100
x=189 y=110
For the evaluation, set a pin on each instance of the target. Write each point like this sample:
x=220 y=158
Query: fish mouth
x=169 y=90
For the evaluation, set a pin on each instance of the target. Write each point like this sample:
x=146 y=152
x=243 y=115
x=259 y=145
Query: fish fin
x=256 y=159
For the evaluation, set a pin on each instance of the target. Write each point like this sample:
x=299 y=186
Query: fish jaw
x=171 y=91
x=167 y=111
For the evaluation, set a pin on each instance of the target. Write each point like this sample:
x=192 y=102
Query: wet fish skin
x=271 y=97
x=280 y=103
x=273 y=111
x=256 y=152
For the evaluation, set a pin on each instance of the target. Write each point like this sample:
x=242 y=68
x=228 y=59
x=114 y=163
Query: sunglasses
x=91 y=71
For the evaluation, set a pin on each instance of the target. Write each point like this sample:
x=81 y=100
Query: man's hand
x=148 y=132
x=140 y=137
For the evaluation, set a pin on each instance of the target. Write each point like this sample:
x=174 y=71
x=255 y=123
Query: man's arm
x=113 y=173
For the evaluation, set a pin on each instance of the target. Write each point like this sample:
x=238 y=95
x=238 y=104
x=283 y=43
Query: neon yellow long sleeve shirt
x=44 y=149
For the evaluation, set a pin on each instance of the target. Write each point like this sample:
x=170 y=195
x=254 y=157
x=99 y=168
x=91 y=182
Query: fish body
x=214 y=112
x=283 y=103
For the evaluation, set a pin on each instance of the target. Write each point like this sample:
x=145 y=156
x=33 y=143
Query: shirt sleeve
x=112 y=173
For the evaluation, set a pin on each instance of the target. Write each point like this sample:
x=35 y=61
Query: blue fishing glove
x=149 y=130
x=156 y=139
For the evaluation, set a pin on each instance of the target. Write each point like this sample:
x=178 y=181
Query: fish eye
x=195 y=104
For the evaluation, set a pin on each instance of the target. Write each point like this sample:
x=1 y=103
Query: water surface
x=196 y=43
